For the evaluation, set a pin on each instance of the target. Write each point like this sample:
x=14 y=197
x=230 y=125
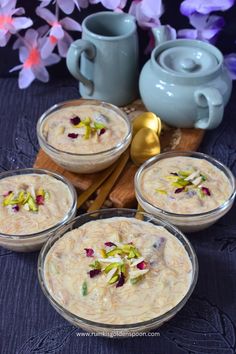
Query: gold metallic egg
x=145 y=144
x=147 y=120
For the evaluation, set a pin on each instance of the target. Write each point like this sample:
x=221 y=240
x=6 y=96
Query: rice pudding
x=188 y=189
x=118 y=271
x=31 y=204
x=84 y=138
x=185 y=185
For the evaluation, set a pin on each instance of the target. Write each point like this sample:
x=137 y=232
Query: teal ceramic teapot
x=185 y=82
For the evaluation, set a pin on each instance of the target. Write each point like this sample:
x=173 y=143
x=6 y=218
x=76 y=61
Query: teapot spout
x=163 y=33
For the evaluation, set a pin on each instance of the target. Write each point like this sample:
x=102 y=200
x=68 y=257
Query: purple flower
x=33 y=65
x=206 y=27
x=116 y=5
x=9 y=24
x=188 y=7
x=230 y=63
x=57 y=35
x=147 y=12
x=67 y=6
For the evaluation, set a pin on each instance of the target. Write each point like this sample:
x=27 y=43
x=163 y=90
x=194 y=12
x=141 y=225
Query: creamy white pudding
x=84 y=129
x=118 y=271
x=32 y=203
x=185 y=185
x=188 y=189
x=84 y=138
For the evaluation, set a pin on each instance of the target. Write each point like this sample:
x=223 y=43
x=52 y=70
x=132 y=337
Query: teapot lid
x=188 y=58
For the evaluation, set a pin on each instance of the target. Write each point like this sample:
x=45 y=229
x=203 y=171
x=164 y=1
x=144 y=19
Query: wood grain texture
x=122 y=194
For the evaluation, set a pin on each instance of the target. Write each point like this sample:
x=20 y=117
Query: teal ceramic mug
x=105 y=60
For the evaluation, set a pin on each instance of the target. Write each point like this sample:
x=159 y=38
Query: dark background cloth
x=28 y=323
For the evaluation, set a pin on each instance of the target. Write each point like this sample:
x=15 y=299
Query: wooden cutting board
x=123 y=194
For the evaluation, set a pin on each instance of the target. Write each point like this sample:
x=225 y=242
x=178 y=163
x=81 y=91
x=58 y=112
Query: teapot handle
x=210 y=108
x=163 y=33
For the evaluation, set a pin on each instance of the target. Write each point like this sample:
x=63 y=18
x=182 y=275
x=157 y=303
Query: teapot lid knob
x=188 y=64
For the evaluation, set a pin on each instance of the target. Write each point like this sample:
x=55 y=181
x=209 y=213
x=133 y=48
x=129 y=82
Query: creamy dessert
x=84 y=138
x=184 y=185
x=118 y=271
x=84 y=129
x=31 y=203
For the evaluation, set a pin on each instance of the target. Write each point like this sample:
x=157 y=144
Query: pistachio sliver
x=28 y=195
x=114 y=279
x=84 y=289
x=185 y=173
x=32 y=204
x=161 y=191
x=110 y=274
x=134 y=281
x=98 y=126
x=114 y=252
x=8 y=199
x=103 y=253
x=111 y=266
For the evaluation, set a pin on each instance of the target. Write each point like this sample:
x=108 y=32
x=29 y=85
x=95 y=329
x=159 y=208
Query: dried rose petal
x=206 y=191
x=102 y=131
x=174 y=173
x=73 y=135
x=89 y=252
x=5 y=194
x=76 y=120
x=16 y=208
x=142 y=265
x=121 y=280
x=109 y=244
x=179 y=190
x=94 y=272
x=40 y=199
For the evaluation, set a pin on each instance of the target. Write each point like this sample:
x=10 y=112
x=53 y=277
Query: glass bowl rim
x=196 y=154
x=167 y=315
x=64 y=104
x=57 y=176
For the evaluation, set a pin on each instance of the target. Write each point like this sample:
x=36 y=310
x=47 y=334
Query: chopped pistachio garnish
x=114 y=279
x=84 y=288
x=182 y=180
x=26 y=200
x=90 y=127
x=161 y=191
x=119 y=263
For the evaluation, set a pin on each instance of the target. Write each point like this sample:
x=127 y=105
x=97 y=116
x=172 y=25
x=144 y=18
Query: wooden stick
x=89 y=191
x=107 y=186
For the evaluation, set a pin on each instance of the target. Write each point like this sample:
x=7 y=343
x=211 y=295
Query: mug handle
x=209 y=97
x=73 y=57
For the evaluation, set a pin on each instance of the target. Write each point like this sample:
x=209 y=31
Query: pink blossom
x=33 y=65
x=9 y=24
x=147 y=12
x=116 y=5
x=57 y=35
x=67 y=6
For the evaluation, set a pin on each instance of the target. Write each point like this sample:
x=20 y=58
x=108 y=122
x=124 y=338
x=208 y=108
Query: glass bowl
x=112 y=329
x=83 y=163
x=33 y=242
x=186 y=222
